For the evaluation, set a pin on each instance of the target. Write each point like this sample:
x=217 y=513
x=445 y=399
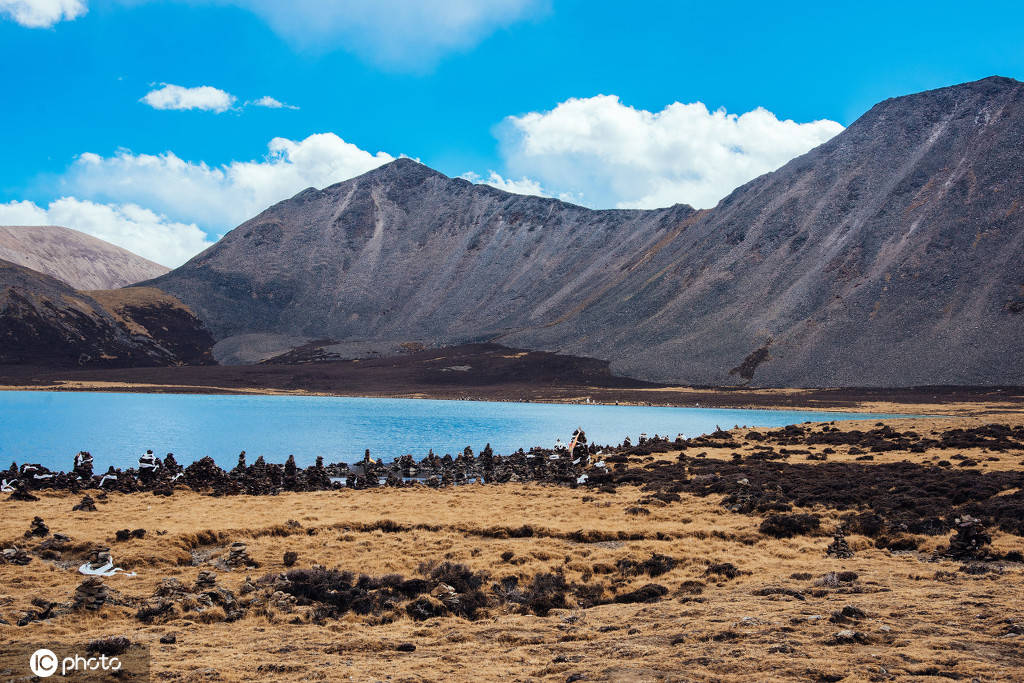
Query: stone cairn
x=37 y=528
x=99 y=557
x=971 y=540
x=87 y=505
x=90 y=594
x=22 y=493
x=206 y=580
x=238 y=556
x=15 y=556
x=839 y=547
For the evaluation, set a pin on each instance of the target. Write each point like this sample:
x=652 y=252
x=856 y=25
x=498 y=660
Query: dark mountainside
x=892 y=255
x=888 y=256
x=73 y=257
x=406 y=253
x=45 y=322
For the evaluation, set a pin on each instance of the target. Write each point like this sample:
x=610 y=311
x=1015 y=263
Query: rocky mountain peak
x=889 y=255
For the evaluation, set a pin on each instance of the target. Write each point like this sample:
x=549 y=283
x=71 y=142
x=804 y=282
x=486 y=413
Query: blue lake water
x=50 y=427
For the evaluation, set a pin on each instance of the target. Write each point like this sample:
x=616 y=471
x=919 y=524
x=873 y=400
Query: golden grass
x=925 y=617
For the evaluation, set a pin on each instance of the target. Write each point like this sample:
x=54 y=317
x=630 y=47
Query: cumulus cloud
x=607 y=154
x=270 y=103
x=42 y=13
x=218 y=197
x=204 y=97
x=521 y=186
x=129 y=226
x=405 y=34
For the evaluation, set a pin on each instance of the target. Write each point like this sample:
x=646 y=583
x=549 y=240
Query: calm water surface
x=50 y=427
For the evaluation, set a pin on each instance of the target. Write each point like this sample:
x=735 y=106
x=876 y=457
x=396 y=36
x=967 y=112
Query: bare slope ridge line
x=888 y=256
x=77 y=259
x=44 y=322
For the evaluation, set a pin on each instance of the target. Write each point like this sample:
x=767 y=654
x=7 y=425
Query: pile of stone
x=238 y=556
x=447 y=595
x=87 y=505
x=37 y=528
x=839 y=547
x=99 y=557
x=53 y=547
x=282 y=601
x=15 y=556
x=164 y=489
x=206 y=580
x=21 y=493
x=90 y=594
x=970 y=542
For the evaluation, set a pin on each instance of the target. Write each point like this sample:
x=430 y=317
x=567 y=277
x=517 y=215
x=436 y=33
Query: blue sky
x=440 y=86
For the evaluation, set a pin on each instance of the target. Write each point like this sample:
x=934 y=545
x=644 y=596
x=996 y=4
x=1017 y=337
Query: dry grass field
x=784 y=610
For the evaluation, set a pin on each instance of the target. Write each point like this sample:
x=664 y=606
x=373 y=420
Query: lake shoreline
x=39 y=426
x=964 y=401
x=490 y=372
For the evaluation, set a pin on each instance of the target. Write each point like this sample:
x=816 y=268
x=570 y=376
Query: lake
x=50 y=427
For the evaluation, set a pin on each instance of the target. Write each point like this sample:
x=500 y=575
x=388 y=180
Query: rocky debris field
x=739 y=555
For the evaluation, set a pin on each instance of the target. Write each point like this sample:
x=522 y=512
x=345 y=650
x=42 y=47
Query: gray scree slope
x=889 y=256
x=404 y=252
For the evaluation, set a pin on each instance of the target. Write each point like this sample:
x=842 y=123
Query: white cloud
x=607 y=154
x=42 y=13
x=270 y=103
x=129 y=226
x=406 y=34
x=204 y=97
x=522 y=186
x=154 y=205
x=218 y=197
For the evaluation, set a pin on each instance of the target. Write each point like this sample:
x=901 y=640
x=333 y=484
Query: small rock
x=848 y=613
x=782 y=648
x=847 y=637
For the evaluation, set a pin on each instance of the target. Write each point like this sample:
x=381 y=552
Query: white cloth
x=106 y=570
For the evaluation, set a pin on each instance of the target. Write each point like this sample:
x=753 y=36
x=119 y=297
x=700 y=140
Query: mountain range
x=890 y=255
